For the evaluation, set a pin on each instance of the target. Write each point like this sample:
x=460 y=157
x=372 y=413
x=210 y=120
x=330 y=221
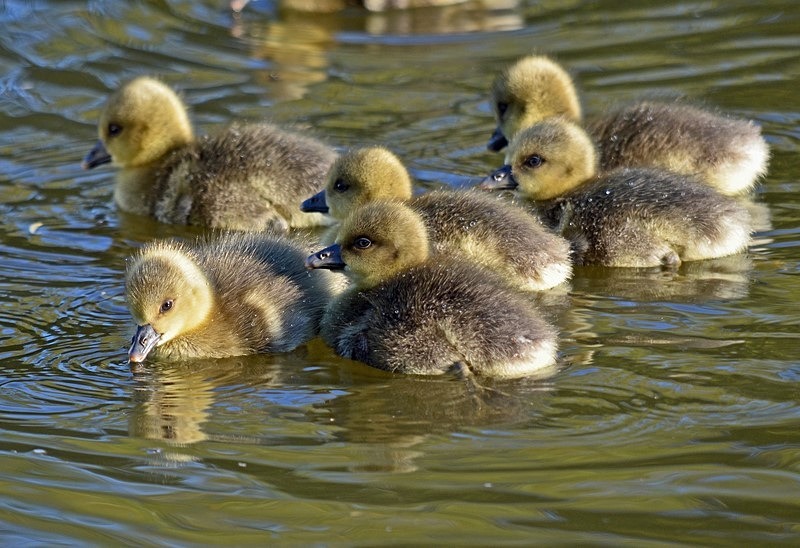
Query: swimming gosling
x=407 y=312
x=248 y=177
x=234 y=294
x=726 y=153
x=627 y=217
x=490 y=232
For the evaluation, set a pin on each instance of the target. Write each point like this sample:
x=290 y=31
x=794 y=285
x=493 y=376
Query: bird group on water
x=420 y=284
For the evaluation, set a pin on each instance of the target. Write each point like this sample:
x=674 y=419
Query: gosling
x=490 y=232
x=408 y=312
x=238 y=293
x=627 y=217
x=248 y=177
x=726 y=153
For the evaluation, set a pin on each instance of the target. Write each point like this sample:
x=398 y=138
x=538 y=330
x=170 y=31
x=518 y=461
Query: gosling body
x=726 y=153
x=627 y=217
x=495 y=235
x=234 y=294
x=409 y=313
x=247 y=177
x=646 y=217
x=491 y=232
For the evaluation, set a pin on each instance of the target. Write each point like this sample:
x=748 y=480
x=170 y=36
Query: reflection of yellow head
x=296 y=46
x=178 y=405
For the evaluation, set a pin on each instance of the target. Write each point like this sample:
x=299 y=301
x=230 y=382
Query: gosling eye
x=362 y=243
x=502 y=107
x=533 y=161
x=340 y=185
x=114 y=129
x=166 y=306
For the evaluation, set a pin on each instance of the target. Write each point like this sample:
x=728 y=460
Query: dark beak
x=497 y=141
x=143 y=342
x=502 y=179
x=96 y=157
x=330 y=258
x=315 y=204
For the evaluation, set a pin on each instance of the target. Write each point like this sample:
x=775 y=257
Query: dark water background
x=673 y=420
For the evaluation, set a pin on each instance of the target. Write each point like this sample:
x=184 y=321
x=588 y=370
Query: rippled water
x=673 y=419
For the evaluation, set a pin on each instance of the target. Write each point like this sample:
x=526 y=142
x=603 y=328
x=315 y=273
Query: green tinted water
x=674 y=416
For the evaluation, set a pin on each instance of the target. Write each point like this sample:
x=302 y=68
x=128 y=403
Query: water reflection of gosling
x=236 y=294
x=628 y=217
x=391 y=421
x=172 y=405
x=246 y=177
x=175 y=402
x=724 y=278
x=297 y=44
x=727 y=153
x=471 y=225
x=409 y=313
x=326 y=6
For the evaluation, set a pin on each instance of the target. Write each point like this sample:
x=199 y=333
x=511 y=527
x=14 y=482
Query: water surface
x=672 y=419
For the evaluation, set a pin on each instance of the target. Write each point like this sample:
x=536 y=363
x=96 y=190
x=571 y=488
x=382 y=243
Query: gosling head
x=375 y=242
x=140 y=123
x=358 y=177
x=530 y=90
x=168 y=296
x=546 y=160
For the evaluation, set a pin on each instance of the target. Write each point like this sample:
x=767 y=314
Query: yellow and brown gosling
x=490 y=232
x=232 y=294
x=627 y=217
x=409 y=312
x=247 y=177
x=727 y=153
